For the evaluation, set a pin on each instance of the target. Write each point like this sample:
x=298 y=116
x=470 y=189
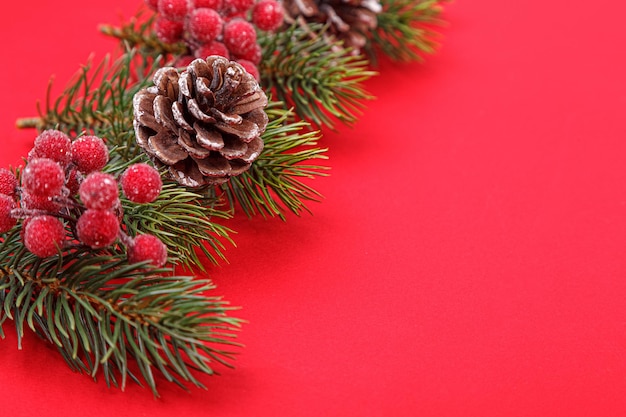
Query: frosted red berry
x=36 y=202
x=211 y=4
x=44 y=235
x=212 y=48
x=147 y=248
x=253 y=54
x=239 y=36
x=172 y=9
x=99 y=191
x=141 y=183
x=52 y=144
x=153 y=4
x=168 y=31
x=43 y=177
x=268 y=15
x=204 y=24
x=97 y=228
x=184 y=61
x=238 y=5
x=7 y=221
x=89 y=153
x=250 y=68
x=8 y=182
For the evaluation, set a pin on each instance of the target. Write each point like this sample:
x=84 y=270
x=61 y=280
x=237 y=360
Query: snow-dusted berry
x=172 y=9
x=52 y=144
x=97 y=228
x=205 y=24
x=37 y=202
x=238 y=5
x=239 y=36
x=141 y=183
x=43 y=177
x=153 y=4
x=168 y=31
x=8 y=182
x=89 y=153
x=253 y=54
x=250 y=68
x=99 y=191
x=44 y=235
x=7 y=221
x=147 y=248
x=184 y=61
x=212 y=48
x=211 y=4
x=268 y=15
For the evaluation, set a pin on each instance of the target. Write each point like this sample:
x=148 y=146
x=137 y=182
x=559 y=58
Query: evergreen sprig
x=321 y=82
x=404 y=31
x=275 y=180
x=109 y=318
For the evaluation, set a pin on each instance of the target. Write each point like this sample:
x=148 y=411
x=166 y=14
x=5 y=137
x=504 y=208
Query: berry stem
x=29 y=122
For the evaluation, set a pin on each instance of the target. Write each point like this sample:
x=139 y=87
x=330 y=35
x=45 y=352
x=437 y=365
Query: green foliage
x=404 y=30
x=113 y=319
x=274 y=181
x=322 y=83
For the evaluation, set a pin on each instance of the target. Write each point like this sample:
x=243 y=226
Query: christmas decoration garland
x=213 y=106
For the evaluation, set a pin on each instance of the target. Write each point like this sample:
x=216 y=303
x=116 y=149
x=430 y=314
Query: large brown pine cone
x=349 y=20
x=204 y=124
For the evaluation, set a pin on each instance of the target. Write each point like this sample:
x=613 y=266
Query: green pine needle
x=124 y=322
x=322 y=83
x=404 y=31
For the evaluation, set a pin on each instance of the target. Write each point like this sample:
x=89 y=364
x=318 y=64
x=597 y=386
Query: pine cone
x=204 y=124
x=349 y=20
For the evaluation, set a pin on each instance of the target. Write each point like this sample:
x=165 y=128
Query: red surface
x=468 y=259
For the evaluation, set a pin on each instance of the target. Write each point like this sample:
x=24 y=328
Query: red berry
x=238 y=5
x=52 y=144
x=212 y=48
x=73 y=180
x=168 y=31
x=211 y=4
x=35 y=202
x=250 y=68
x=43 y=177
x=141 y=183
x=8 y=182
x=99 y=191
x=173 y=9
x=147 y=248
x=7 y=221
x=268 y=15
x=97 y=228
x=44 y=235
x=205 y=24
x=89 y=153
x=239 y=36
x=253 y=55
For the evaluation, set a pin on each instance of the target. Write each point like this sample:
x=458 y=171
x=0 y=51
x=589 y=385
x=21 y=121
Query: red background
x=468 y=258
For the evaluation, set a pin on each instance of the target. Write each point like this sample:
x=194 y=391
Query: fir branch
x=274 y=182
x=404 y=31
x=322 y=83
x=113 y=319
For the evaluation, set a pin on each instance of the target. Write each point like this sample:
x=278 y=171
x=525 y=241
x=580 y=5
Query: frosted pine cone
x=204 y=124
x=349 y=20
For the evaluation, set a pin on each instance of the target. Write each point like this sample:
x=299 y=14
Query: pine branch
x=113 y=319
x=322 y=83
x=404 y=31
x=273 y=183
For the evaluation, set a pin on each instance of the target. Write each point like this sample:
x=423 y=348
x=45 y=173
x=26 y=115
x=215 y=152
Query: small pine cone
x=204 y=124
x=349 y=20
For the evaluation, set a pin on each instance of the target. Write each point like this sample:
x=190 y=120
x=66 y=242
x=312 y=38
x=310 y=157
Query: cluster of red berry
x=60 y=170
x=218 y=27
